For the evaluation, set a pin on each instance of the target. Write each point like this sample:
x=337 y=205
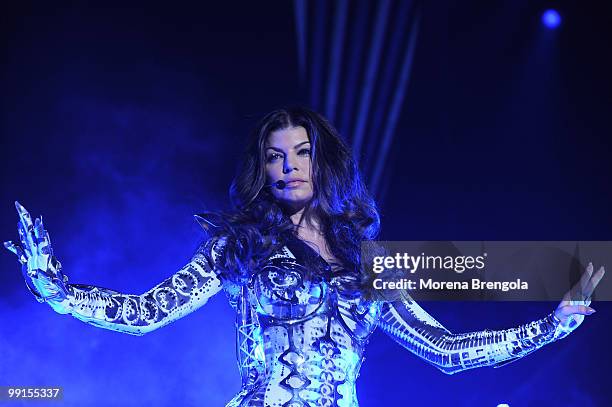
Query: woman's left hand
x=576 y=301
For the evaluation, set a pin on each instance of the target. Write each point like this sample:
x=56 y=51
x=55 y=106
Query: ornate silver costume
x=300 y=341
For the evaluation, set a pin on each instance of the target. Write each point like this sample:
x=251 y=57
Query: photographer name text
x=430 y=284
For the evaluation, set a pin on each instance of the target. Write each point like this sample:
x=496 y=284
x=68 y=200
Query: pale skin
x=288 y=158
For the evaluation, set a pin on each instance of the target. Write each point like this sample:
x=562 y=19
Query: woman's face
x=287 y=155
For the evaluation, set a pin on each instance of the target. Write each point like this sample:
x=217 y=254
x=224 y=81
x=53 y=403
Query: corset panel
x=306 y=331
x=282 y=291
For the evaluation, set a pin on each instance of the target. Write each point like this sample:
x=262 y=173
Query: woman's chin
x=293 y=205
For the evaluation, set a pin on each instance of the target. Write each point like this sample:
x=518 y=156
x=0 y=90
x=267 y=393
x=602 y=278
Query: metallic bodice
x=301 y=333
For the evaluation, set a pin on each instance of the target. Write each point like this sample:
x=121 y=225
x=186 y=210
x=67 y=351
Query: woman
x=288 y=258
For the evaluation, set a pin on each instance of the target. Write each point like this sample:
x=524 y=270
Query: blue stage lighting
x=551 y=18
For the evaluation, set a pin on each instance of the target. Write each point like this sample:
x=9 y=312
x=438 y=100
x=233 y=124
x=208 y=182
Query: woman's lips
x=294 y=184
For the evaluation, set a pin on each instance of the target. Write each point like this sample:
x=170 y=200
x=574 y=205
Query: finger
x=599 y=275
x=10 y=246
x=40 y=238
x=587 y=291
x=38 y=230
x=24 y=215
x=46 y=233
x=23 y=238
x=576 y=309
x=594 y=281
x=582 y=285
x=576 y=293
x=586 y=276
x=17 y=250
x=26 y=225
x=46 y=245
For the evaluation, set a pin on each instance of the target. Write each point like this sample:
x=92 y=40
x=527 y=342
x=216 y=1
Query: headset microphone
x=280 y=184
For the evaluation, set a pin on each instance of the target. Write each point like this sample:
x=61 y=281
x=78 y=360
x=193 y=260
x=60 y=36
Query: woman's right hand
x=39 y=267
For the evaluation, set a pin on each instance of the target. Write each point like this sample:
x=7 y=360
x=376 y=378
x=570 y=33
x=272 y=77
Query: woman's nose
x=289 y=165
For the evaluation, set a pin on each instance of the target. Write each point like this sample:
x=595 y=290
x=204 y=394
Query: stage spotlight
x=551 y=18
x=503 y=405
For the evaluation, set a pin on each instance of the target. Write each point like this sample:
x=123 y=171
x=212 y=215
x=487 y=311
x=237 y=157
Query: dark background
x=120 y=122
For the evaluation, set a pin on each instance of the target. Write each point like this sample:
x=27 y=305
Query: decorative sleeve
x=180 y=294
x=414 y=329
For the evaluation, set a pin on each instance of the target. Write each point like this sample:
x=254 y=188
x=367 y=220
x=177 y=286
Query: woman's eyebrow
x=294 y=147
x=299 y=144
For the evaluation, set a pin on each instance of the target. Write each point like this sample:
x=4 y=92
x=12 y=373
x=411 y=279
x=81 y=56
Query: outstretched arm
x=414 y=329
x=175 y=297
x=182 y=293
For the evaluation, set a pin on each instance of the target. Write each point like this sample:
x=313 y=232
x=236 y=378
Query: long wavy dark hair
x=341 y=204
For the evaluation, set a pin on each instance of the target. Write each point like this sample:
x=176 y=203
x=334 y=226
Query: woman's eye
x=272 y=157
x=304 y=151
